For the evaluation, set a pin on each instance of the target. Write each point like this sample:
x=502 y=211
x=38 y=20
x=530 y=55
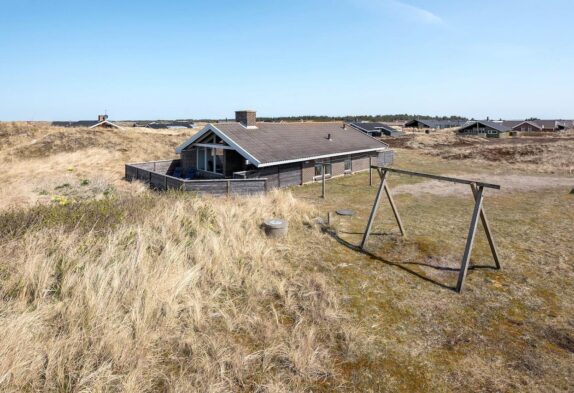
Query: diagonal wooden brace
x=383 y=187
x=486 y=226
x=383 y=176
x=478 y=197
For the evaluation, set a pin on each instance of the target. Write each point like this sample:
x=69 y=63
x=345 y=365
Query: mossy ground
x=510 y=330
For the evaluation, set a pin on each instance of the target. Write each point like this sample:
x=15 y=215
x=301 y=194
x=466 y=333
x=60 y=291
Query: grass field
x=510 y=330
x=106 y=286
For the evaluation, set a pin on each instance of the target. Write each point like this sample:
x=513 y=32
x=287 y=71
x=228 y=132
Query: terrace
x=166 y=175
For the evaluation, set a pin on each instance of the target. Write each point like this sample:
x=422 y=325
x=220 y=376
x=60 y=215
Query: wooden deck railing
x=155 y=173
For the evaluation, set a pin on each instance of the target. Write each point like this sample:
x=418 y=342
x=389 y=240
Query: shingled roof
x=486 y=124
x=433 y=123
x=277 y=143
x=541 y=124
x=371 y=126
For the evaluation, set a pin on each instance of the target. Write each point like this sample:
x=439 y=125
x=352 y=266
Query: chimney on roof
x=102 y=118
x=247 y=117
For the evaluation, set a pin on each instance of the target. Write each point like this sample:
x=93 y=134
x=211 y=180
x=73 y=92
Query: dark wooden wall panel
x=290 y=175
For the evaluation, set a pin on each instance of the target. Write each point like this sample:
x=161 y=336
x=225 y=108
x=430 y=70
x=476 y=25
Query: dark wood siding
x=189 y=159
x=234 y=162
x=272 y=175
x=290 y=175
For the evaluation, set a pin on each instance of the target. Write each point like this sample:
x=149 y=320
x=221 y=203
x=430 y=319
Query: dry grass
x=548 y=153
x=510 y=330
x=111 y=287
x=37 y=160
x=180 y=294
x=543 y=157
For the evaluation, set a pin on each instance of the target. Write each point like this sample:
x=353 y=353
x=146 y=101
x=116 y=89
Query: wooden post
x=470 y=239
x=370 y=172
x=228 y=187
x=374 y=210
x=278 y=177
x=323 y=181
x=395 y=211
x=486 y=226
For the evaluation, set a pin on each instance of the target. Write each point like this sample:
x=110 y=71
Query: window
x=201 y=158
x=348 y=164
x=211 y=160
x=319 y=169
x=219 y=158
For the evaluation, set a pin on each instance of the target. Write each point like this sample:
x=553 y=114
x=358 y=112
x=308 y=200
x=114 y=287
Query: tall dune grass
x=168 y=293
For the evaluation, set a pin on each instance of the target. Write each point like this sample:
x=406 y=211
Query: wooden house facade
x=484 y=128
x=286 y=154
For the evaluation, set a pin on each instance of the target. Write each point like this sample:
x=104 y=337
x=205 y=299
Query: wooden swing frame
x=478 y=194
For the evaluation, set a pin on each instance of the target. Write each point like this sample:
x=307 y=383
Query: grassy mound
x=166 y=292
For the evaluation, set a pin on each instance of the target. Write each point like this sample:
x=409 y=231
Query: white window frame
x=327 y=175
x=209 y=152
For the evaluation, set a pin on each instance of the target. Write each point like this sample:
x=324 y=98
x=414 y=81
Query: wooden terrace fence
x=155 y=173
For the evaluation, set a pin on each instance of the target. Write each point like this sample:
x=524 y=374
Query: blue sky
x=68 y=60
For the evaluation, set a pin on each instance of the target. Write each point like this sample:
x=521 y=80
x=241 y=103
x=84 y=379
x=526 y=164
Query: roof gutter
x=267 y=164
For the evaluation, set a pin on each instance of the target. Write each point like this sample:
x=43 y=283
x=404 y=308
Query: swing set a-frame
x=478 y=212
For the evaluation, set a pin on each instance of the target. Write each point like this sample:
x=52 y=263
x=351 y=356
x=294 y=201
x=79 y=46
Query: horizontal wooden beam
x=212 y=146
x=442 y=178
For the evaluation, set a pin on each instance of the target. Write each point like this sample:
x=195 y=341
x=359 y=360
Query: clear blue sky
x=69 y=60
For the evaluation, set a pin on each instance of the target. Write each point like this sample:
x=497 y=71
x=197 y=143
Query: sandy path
x=509 y=183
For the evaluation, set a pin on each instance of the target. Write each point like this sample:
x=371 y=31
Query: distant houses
x=163 y=125
x=102 y=122
x=376 y=129
x=539 y=125
x=503 y=128
x=434 y=124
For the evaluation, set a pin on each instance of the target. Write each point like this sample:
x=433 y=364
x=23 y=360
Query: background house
x=485 y=128
x=376 y=129
x=102 y=122
x=434 y=124
x=163 y=125
x=539 y=125
x=284 y=153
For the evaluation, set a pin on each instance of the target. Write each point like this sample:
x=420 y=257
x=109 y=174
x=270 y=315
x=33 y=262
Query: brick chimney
x=247 y=118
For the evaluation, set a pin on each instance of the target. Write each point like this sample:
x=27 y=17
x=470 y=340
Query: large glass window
x=219 y=159
x=201 y=158
x=210 y=160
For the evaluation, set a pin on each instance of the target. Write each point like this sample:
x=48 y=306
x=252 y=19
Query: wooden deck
x=155 y=173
